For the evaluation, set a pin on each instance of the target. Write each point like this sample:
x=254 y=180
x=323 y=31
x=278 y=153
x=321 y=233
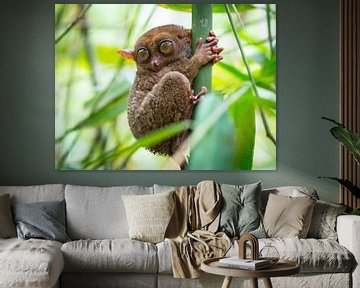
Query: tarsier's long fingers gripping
x=210 y=52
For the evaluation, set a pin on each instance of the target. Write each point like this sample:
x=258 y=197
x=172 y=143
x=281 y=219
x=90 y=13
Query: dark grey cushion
x=7 y=227
x=240 y=213
x=44 y=220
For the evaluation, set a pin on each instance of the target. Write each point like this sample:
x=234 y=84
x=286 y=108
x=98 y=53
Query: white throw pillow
x=149 y=215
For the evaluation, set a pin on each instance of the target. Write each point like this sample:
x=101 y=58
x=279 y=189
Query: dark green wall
x=308 y=66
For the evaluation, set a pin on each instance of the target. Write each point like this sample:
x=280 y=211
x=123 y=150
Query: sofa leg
x=254 y=282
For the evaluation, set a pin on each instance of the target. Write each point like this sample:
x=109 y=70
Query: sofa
x=100 y=253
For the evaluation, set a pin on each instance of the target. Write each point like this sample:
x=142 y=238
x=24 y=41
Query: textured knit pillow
x=288 y=217
x=43 y=220
x=7 y=226
x=240 y=210
x=149 y=215
x=323 y=222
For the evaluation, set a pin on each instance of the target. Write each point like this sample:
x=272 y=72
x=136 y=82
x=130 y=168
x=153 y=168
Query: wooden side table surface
x=281 y=268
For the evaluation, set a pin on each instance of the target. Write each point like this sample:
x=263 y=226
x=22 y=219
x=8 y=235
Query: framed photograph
x=165 y=86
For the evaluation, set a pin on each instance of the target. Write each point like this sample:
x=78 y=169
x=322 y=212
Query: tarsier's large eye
x=142 y=54
x=166 y=46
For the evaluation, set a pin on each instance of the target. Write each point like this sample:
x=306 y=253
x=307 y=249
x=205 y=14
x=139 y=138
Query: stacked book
x=248 y=264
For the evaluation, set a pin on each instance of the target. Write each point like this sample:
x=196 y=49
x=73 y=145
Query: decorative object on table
x=351 y=142
x=254 y=246
x=247 y=264
x=269 y=253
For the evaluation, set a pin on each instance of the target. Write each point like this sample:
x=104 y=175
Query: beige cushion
x=110 y=255
x=287 y=217
x=149 y=215
x=7 y=226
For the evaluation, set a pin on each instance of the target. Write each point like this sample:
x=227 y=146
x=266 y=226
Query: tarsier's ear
x=126 y=53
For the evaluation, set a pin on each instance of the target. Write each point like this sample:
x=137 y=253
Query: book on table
x=236 y=262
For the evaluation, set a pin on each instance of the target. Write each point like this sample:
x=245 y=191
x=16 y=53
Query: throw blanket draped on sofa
x=191 y=231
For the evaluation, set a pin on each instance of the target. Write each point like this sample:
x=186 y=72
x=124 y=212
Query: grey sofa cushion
x=240 y=212
x=44 y=220
x=313 y=255
x=117 y=255
x=36 y=193
x=323 y=222
x=30 y=263
x=7 y=227
x=98 y=213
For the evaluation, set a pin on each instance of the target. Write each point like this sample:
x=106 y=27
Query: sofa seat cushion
x=313 y=255
x=30 y=263
x=115 y=255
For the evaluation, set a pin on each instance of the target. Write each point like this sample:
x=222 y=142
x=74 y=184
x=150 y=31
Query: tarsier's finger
x=210 y=44
x=217 y=49
x=217 y=59
x=212 y=33
x=210 y=38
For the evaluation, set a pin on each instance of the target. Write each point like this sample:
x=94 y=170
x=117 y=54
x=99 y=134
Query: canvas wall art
x=165 y=87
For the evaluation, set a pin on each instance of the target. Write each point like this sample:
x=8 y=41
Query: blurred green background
x=92 y=85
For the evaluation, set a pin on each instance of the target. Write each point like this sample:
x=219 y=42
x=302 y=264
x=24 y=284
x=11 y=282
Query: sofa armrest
x=348 y=230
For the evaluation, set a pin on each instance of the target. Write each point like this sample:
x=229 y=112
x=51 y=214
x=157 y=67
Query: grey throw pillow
x=323 y=222
x=240 y=213
x=7 y=227
x=44 y=220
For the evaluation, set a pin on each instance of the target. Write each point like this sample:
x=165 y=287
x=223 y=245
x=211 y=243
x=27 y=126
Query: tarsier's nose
x=155 y=62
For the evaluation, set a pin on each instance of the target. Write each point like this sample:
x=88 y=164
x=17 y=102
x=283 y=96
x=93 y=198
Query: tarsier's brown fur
x=161 y=93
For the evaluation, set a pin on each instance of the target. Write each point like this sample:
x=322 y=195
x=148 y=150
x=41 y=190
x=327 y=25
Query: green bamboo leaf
x=268 y=85
x=243 y=113
x=266 y=103
x=104 y=114
x=217 y=8
x=148 y=140
x=214 y=150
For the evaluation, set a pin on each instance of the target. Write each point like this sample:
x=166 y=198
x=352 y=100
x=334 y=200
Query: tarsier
x=162 y=92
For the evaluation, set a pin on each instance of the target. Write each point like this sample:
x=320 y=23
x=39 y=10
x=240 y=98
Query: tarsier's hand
x=209 y=51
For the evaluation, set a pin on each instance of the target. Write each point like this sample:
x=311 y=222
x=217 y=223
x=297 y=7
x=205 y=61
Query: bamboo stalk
x=201 y=26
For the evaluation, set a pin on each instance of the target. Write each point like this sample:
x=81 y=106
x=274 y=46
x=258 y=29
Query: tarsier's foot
x=215 y=49
x=196 y=98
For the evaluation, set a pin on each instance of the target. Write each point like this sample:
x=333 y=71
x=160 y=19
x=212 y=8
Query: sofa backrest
x=98 y=212
x=36 y=193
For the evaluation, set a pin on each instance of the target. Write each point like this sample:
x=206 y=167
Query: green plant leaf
x=243 y=113
x=348 y=138
x=217 y=8
x=214 y=149
x=104 y=114
x=347 y=184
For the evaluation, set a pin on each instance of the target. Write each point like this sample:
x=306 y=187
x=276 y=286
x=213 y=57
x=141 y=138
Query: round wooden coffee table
x=281 y=268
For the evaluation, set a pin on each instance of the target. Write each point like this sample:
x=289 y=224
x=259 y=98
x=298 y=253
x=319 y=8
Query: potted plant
x=351 y=141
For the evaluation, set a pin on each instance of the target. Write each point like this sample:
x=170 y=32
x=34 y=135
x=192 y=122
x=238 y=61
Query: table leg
x=227 y=282
x=254 y=282
x=267 y=283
